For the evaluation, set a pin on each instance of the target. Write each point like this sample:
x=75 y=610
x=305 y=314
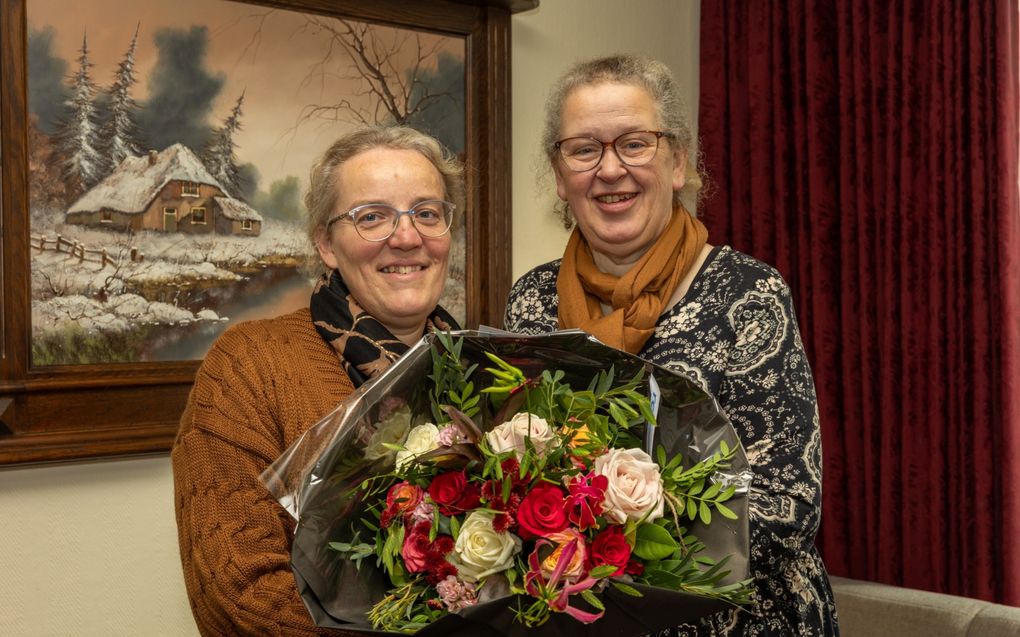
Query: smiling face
x=621 y=210
x=398 y=281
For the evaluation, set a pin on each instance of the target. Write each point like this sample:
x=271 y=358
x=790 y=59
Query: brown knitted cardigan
x=261 y=385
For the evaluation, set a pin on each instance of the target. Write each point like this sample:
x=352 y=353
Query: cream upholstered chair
x=867 y=609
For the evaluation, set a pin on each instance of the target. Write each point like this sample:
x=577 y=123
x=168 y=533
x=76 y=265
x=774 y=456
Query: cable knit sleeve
x=234 y=538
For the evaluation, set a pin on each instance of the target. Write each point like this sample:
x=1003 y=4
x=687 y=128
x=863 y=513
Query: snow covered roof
x=134 y=184
x=236 y=209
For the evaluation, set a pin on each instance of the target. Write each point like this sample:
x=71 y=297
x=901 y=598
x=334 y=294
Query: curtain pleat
x=1006 y=300
x=868 y=150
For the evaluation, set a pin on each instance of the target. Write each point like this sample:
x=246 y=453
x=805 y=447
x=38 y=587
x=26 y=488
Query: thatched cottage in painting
x=168 y=191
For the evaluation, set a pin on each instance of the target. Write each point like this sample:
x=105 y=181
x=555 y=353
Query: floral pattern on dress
x=683 y=320
x=735 y=334
x=760 y=325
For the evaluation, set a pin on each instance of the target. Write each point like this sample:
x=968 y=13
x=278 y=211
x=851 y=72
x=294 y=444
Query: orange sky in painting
x=270 y=65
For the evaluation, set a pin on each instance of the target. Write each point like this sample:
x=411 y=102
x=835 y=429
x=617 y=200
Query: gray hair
x=323 y=190
x=636 y=70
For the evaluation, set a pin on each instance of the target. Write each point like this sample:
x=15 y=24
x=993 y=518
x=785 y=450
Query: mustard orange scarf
x=638 y=297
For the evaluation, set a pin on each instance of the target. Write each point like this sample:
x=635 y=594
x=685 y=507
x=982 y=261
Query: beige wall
x=91 y=549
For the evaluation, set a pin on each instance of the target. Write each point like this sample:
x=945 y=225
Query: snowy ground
x=83 y=295
x=66 y=291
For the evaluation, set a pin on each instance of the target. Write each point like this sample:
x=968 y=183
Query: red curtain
x=868 y=149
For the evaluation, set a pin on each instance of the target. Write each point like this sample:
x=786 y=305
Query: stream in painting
x=264 y=294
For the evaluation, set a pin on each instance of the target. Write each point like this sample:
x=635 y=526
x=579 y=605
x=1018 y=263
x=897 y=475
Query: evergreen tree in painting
x=218 y=155
x=78 y=133
x=119 y=133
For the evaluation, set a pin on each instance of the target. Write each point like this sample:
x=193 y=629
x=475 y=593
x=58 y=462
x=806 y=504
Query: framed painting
x=154 y=157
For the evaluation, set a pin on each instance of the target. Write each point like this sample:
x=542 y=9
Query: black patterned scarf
x=364 y=345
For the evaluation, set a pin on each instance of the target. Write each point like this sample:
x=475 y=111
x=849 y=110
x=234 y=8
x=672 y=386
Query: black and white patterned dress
x=735 y=333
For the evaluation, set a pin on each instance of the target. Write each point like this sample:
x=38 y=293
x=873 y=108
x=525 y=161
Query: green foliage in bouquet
x=553 y=503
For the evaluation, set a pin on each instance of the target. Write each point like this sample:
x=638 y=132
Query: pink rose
x=415 y=551
x=510 y=435
x=635 y=485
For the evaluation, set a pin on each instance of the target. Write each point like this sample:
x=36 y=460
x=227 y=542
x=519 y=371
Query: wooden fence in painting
x=75 y=249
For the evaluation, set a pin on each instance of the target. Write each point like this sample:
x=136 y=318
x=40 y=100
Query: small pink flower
x=422 y=512
x=456 y=594
x=451 y=435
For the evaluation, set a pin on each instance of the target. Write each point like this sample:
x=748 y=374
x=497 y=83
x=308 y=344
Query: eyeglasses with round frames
x=378 y=221
x=636 y=148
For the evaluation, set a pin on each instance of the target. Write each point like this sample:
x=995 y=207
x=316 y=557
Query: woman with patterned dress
x=639 y=274
x=381 y=202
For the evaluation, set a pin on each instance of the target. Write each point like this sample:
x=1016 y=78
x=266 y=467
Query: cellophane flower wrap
x=494 y=484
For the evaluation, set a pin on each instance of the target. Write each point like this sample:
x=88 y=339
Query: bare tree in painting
x=401 y=77
x=390 y=71
x=218 y=155
x=78 y=133
x=119 y=134
x=47 y=285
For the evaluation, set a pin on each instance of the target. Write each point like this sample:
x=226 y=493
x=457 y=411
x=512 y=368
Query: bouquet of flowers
x=508 y=485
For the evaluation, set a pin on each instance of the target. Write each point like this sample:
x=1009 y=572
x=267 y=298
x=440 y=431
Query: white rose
x=635 y=485
x=392 y=430
x=422 y=439
x=510 y=435
x=481 y=550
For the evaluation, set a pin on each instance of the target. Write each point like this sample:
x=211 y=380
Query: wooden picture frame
x=72 y=412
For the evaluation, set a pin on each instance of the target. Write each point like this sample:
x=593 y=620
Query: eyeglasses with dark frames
x=636 y=148
x=378 y=221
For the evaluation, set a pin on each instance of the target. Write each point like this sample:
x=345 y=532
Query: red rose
x=610 y=547
x=543 y=511
x=471 y=498
x=447 y=487
x=452 y=493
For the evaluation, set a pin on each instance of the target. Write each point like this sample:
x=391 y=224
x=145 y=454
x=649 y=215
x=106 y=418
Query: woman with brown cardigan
x=381 y=202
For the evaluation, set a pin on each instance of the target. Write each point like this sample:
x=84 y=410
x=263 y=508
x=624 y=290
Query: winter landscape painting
x=169 y=146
